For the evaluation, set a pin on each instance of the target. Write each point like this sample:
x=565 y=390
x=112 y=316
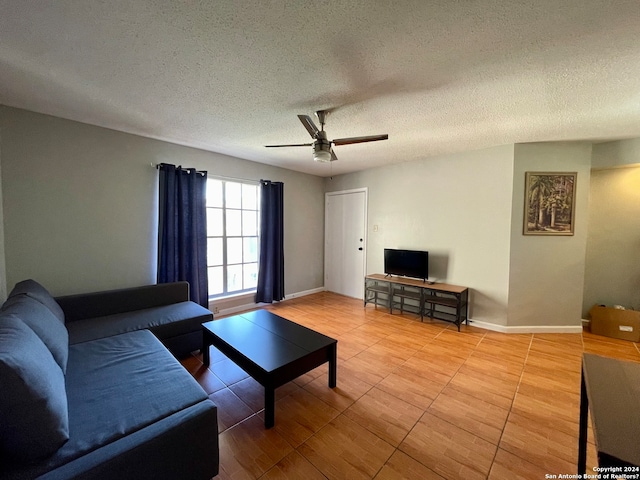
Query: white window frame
x=225 y=237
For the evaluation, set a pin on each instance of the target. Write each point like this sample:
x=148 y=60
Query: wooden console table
x=437 y=300
x=611 y=390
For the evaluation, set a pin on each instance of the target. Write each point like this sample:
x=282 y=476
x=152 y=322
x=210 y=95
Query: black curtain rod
x=188 y=170
x=266 y=182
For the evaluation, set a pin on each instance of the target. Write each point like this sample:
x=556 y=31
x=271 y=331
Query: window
x=232 y=237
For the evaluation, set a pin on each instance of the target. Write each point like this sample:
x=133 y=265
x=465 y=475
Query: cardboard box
x=615 y=323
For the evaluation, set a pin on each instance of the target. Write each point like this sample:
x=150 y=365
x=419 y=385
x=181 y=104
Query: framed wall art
x=549 y=204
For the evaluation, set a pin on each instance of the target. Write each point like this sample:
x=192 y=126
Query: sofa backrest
x=112 y=302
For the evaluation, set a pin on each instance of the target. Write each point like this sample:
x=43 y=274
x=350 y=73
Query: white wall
x=612 y=273
x=547 y=272
x=458 y=207
x=80 y=205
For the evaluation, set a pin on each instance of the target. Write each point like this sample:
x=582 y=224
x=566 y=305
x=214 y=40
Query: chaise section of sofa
x=116 y=404
x=134 y=412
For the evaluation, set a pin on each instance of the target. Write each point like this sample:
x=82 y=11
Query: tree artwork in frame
x=549 y=207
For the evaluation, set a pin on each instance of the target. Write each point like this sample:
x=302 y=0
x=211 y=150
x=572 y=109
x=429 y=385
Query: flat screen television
x=406 y=263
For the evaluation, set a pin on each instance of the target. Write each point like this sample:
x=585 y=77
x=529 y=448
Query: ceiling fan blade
x=309 y=125
x=291 y=145
x=348 y=141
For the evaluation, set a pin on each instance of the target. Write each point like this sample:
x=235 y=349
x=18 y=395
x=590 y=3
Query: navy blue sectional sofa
x=90 y=389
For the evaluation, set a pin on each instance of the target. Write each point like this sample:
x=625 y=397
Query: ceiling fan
x=322 y=148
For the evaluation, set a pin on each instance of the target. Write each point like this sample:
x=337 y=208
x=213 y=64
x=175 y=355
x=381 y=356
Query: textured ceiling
x=231 y=76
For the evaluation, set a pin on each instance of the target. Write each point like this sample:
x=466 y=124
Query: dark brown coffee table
x=609 y=390
x=271 y=349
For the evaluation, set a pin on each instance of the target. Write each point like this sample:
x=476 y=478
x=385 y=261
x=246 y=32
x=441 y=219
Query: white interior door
x=345 y=242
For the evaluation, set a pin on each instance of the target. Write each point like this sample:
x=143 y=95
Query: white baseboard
x=305 y=292
x=253 y=305
x=485 y=325
x=527 y=328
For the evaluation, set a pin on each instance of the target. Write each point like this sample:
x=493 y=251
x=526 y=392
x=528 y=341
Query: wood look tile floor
x=415 y=400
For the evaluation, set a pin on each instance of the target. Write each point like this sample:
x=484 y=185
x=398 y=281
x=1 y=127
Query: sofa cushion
x=183 y=445
x=117 y=386
x=44 y=323
x=37 y=291
x=34 y=420
x=165 y=321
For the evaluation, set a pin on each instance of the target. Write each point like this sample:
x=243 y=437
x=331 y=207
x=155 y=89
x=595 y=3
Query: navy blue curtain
x=271 y=266
x=182 y=229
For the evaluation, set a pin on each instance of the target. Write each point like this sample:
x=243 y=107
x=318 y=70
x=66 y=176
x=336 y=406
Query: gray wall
x=78 y=213
x=80 y=205
x=612 y=274
x=467 y=209
x=616 y=154
x=3 y=267
x=458 y=207
x=547 y=272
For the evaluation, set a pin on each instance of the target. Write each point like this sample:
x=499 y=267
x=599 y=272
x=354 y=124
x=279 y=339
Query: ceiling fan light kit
x=322 y=148
x=321 y=156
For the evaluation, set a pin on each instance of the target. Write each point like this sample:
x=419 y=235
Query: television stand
x=440 y=301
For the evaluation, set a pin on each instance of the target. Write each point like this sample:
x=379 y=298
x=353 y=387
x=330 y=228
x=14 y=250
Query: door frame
x=364 y=190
